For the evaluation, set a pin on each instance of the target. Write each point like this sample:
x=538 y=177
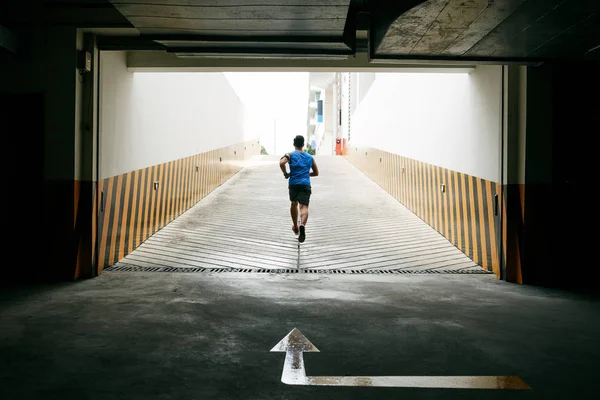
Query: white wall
x=449 y=120
x=364 y=81
x=152 y=118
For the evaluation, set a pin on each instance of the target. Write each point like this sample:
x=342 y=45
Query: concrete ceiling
x=495 y=29
x=472 y=30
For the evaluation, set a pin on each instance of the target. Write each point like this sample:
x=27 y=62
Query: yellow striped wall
x=135 y=205
x=463 y=212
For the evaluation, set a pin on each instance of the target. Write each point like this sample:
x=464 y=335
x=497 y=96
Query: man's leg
x=304 y=218
x=303 y=214
x=304 y=199
x=294 y=214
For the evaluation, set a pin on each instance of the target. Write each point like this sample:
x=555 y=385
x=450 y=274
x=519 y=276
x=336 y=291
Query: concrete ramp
x=354 y=226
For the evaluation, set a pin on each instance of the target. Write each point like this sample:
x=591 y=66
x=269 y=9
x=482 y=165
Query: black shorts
x=300 y=193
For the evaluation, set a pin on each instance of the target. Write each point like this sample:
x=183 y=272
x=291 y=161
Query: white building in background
x=323 y=109
x=339 y=94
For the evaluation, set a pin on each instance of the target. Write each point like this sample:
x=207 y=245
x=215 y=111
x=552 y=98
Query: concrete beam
x=485 y=22
x=8 y=40
x=157 y=61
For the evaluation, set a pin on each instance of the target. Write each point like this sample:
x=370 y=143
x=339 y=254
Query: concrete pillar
x=551 y=114
x=86 y=174
x=510 y=207
x=41 y=82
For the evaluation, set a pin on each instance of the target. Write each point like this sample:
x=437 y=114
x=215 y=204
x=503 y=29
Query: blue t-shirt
x=300 y=165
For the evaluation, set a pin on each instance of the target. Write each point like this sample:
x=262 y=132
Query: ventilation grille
x=132 y=268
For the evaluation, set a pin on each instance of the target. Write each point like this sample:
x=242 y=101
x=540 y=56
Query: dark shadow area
x=560 y=200
x=25 y=243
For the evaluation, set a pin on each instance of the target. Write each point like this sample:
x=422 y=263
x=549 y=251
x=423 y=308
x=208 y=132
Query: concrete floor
x=208 y=336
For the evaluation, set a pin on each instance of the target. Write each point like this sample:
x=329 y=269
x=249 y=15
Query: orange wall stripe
x=497 y=189
x=158 y=195
x=148 y=193
x=430 y=194
x=186 y=188
x=419 y=190
x=473 y=215
x=133 y=211
x=173 y=176
x=492 y=228
x=465 y=215
x=105 y=187
x=140 y=200
x=450 y=197
x=201 y=175
x=114 y=233
x=183 y=187
x=194 y=180
x=172 y=191
x=206 y=173
x=190 y=182
x=444 y=200
x=457 y=208
x=438 y=200
x=165 y=196
x=405 y=179
x=176 y=191
x=396 y=181
x=124 y=224
x=211 y=171
x=482 y=228
x=150 y=201
x=411 y=185
x=425 y=190
x=95 y=221
x=155 y=198
x=167 y=189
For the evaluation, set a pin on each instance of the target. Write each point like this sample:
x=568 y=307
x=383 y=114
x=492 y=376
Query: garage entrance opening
x=409 y=169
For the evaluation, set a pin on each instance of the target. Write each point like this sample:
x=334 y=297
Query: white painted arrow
x=295 y=343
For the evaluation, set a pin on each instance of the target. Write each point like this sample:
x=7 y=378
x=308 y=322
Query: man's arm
x=282 y=161
x=315 y=169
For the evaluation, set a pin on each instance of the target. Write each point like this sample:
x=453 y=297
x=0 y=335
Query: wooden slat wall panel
x=133 y=210
x=463 y=212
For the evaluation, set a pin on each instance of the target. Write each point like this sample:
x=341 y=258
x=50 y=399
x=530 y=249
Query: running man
x=301 y=164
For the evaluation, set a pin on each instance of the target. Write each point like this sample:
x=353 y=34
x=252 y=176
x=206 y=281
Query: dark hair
x=299 y=141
